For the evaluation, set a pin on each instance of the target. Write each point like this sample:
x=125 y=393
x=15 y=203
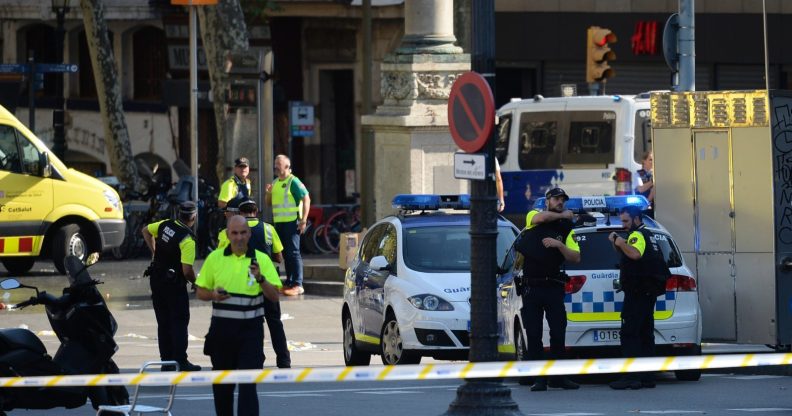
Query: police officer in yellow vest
x=237 y=187
x=237 y=279
x=173 y=246
x=264 y=238
x=285 y=195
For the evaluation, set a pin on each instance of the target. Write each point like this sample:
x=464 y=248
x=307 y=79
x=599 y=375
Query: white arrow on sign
x=470 y=166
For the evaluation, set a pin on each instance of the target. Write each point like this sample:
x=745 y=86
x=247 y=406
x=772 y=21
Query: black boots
x=559 y=382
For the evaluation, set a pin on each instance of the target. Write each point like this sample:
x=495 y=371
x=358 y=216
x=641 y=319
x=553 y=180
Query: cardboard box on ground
x=348 y=247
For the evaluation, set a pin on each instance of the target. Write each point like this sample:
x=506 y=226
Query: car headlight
x=112 y=199
x=430 y=303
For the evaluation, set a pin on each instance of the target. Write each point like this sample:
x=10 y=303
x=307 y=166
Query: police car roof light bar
x=600 y=203
x=426 y=202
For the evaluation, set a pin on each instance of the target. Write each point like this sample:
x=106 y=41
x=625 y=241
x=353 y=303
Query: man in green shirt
x=286 y=194
x=236 y=280
x=237 y=187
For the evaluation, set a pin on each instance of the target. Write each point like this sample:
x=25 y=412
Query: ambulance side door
x=26 y=196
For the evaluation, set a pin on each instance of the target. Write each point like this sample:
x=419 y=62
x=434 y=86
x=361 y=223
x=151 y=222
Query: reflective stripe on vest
x=239 y=307
x=284 y=207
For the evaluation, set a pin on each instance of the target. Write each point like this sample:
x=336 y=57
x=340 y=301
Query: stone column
x=414 y=151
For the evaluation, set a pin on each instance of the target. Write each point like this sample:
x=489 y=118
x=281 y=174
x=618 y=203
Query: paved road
x=720 y=394
x=314 y=332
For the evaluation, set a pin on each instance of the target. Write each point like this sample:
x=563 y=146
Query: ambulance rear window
x=596 y=252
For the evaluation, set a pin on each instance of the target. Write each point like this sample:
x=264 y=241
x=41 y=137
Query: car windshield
x=446 y=248
x=596 y=252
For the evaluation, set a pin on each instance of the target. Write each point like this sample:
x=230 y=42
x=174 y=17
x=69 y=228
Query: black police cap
x=557 y=192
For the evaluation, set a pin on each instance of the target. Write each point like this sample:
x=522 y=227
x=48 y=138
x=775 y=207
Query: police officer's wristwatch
x=260 y=279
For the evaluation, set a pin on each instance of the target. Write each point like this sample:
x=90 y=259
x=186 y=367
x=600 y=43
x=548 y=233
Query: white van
x=589 y=145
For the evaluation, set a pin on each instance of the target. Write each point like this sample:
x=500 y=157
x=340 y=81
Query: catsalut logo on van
x=608 y=275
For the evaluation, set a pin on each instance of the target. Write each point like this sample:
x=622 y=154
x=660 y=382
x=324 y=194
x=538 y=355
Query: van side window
x=9 y=152
x=31 y=157
x=643 y=134
x=502 y=145
x=538 y=144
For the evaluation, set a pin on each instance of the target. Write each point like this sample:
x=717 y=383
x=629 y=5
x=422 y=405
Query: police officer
x=236 y=279
x=173 y=246
x=547 y=241
x=641 y=259
x=237 y=187
x=265 y=239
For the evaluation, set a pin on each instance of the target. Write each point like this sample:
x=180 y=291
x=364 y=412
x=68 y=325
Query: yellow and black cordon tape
x=409 y=372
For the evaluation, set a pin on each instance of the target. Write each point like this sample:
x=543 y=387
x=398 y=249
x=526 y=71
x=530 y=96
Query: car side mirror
x=45 y=169
x=9 y=284
x=379 y=263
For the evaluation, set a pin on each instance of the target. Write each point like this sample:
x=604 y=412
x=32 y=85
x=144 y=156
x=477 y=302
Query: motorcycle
x=84 y=326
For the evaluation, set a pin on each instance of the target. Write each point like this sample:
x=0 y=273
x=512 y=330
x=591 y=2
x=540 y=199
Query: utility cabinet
x=723 y=188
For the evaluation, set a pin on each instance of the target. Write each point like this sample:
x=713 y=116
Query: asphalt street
x=313 y=328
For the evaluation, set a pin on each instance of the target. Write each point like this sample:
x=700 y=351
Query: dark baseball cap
x=248 y=206
x=242 y=161
x=187 y=208
x=557 y=192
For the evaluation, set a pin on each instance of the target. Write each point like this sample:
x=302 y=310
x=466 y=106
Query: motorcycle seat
x=18 y=338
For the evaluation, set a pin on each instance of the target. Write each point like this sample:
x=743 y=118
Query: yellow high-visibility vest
x=284 y=207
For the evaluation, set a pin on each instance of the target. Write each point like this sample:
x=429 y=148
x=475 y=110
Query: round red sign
x=471 y=112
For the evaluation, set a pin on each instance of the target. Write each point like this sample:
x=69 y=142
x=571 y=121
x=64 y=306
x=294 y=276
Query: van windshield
x=556 y=139
x=596 y=252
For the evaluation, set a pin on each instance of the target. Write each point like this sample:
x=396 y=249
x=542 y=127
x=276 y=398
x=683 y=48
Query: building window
x=149 y=63
x=38 y=41
x=86 y=74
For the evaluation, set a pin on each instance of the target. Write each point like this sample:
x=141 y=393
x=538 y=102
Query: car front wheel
x=352 y=356
x=392 y=347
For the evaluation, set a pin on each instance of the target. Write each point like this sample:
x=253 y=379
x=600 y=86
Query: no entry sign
x=471 y=112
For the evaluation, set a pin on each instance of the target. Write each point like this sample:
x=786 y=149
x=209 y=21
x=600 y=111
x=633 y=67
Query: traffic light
x=598 y=53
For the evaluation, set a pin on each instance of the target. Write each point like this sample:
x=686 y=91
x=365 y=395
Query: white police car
x=593 y=306
x=407 y=292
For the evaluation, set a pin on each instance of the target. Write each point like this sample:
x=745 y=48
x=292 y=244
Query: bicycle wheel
x=307 y=240
x=340 y=222
x=319 y=240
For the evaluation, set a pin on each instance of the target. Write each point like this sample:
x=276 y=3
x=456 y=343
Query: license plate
x=606 y=335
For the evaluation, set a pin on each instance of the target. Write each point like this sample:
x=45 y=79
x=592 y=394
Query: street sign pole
x=194 y=103
x=482 y=396
x=31 y=92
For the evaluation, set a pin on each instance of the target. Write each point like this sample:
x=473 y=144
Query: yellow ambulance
x=48 y=210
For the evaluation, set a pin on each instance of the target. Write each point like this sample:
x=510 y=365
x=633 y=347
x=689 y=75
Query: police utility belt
x=559 y=278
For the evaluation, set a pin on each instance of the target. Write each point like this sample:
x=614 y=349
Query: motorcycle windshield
x=76 y=271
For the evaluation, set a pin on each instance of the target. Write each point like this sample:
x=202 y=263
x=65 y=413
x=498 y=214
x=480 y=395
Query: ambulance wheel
x=392 y=345
x=68 y=241
x=352 y=355
x=19 y=265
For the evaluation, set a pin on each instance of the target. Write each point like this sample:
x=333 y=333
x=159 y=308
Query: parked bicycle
x=326 y=236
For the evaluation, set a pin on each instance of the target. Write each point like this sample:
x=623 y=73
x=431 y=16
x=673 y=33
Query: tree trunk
x=223 y=28
x=108 y=93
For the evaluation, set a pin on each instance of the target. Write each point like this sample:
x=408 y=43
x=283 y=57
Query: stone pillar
x=414 y=151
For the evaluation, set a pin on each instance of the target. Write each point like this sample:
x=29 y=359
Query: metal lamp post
x=60 y=8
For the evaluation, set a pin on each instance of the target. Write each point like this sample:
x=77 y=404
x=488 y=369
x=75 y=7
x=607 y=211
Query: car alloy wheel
x=392 y=349
x=352 y=356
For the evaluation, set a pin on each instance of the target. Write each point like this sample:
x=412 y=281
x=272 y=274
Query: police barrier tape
x=409 y=372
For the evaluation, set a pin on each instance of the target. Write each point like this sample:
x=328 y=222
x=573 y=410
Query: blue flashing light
x=600 y=203
x=416 y=202
x=617 y=98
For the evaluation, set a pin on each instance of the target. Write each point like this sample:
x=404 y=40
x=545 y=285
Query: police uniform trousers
x=538 y=301
x=637 y=329
x=235 y=344
x=272 y=313
x=172 y=310
x=290 y=237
